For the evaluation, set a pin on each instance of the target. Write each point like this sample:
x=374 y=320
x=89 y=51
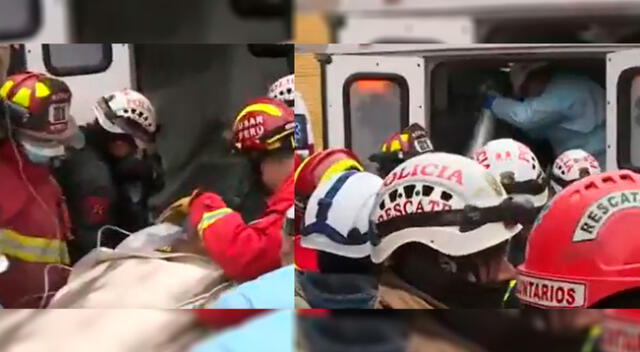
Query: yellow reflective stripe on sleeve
x=268 y=108
x=42 y=90
x=210 y=218
x=33 y=249
x=23 y=97
x=507 y=294
x=594 y=334
x=5 y=88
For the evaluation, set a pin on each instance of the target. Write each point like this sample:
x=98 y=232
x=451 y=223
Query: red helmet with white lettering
x=585 y=246
x=571 y=166
x=517 y=169
x=264 y=125
x=39 y=108
x=621 y=331
x=445 y=201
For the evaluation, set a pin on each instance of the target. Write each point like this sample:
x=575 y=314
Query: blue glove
x=488 y=101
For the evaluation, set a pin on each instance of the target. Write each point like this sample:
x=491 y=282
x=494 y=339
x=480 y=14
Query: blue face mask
x=37 y=158
x=42 y=154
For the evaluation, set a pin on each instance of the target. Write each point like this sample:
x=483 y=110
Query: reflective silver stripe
x=54 y=251
x=211 y=217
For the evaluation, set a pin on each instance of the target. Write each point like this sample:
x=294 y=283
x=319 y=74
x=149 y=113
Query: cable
x=105 y=227
x=26 y=181
x=33 y=192
x=46 y=293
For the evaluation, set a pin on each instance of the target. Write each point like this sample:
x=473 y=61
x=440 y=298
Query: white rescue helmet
x=336 y=219
x=127 y=112
x=571 y=166
x=284 y=90
x=517 y=169
x=445 y=201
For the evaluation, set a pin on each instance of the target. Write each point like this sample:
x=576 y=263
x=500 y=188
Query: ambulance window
x=375 y=107
x=19 y=19
x=77 y=59
x=629 y=119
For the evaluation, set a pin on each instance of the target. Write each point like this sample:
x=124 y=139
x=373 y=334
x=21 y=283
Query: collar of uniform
x=394 y=293
x=32 y=171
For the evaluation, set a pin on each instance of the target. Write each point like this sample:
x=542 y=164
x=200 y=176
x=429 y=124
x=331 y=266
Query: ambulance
x=196 y=89
x=360 y=94
x=468 y=21
x=144 y=21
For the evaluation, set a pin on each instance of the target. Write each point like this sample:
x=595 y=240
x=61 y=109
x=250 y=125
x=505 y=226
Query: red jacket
x=245 y=251
x=226 y=318
x=33 y=232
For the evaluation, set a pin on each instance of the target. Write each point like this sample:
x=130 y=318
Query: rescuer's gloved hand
x=489 y=99
x=177 y=212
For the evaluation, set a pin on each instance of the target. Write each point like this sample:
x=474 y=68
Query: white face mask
x=42 y=155
x=38 y=158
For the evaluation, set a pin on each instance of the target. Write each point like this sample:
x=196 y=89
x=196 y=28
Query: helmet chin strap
x=451 y=281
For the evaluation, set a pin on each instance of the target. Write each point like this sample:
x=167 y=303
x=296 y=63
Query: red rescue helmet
x=313 y=171
x=585 y=244
x=321 y=166
x=621 y=331
x=412 y=141
x=265 y=124
x=39 y=106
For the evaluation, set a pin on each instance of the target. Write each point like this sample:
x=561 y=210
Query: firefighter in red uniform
x=264 y=131
x=34 y=226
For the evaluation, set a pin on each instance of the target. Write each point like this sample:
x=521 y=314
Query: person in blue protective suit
x=336 y=224
x=567 y=109
x=271 y=332
x=273 y=290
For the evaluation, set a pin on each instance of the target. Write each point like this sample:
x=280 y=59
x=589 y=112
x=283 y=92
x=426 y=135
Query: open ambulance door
x=367 y=98
x=623 y=110
x=90 y=70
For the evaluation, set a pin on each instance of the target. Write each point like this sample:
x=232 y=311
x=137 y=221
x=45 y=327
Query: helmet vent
x=608 y=180
x=446 y=196
x=626 y=177
x=590 y=186
x=427 y=190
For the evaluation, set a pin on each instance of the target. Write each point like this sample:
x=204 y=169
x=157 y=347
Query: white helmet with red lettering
x=571 y=166
x=127 y=112
x=284 y=90
x=517 y=169
x=447 y=202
